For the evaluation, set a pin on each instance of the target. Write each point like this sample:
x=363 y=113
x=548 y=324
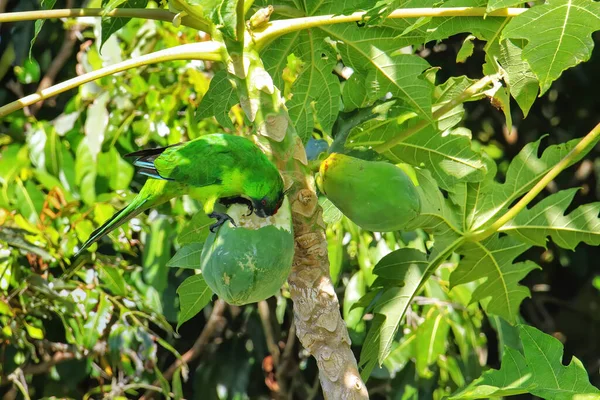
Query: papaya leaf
x=448 y=155
x=536 y=369
x=219 y=99
x=413 y=268
x=498 y=4
x=506 y=57
x=431 y=340
x=196 y=230
x=559 y=35
x=194 y=295
x=111 y=25
x=370 y=51
x=547 y=218
x=316 y=90
x=493 y=259
x=466 y=49
x=222 y=13
x=488 y=198
x=482 y=28
x=408 y=265
x=438 y=215
x=39 y=23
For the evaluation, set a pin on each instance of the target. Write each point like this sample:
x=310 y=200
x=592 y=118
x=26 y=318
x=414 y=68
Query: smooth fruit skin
x=375 y=195
x=250 y=262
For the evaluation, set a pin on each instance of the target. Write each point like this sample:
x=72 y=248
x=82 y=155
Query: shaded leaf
x=39 y=23
x=431 y=340
x=96 y=322
x=187 y=257
x=194 y=295
x=111 y=25
x=196 y=230
x=407 y=265
x=219 y=99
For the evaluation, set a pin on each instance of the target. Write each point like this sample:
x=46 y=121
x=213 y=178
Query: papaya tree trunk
x=319 y=324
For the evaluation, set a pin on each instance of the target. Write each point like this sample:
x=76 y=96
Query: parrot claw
x=250 y=210
x=221 y=219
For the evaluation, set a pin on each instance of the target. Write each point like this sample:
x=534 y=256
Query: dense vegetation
x=497 y=271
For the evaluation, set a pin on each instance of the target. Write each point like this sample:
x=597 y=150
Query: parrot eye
x=263 y=202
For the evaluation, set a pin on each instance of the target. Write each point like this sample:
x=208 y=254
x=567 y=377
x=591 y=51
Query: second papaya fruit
x=375 y=195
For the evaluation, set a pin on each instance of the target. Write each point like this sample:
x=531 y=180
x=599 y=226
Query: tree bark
x=319 y=324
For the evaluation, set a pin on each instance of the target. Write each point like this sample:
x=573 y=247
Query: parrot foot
x=221 y=219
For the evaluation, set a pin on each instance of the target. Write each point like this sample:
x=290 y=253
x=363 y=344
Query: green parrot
x=216 y=167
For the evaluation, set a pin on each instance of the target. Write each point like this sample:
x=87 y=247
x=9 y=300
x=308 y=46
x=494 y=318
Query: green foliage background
x=62 y=174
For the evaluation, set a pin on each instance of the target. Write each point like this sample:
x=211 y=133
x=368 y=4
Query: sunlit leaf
x=493 y=259
x=559 y=35
x=548 y=219
x=537 y=369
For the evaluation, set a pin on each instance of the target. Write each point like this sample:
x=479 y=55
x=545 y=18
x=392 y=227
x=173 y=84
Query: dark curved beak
x=260 y=212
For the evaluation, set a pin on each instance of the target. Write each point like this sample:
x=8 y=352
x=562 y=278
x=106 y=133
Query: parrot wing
x=197 y=163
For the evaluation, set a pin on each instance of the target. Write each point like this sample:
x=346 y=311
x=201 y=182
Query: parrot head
x=267 y=206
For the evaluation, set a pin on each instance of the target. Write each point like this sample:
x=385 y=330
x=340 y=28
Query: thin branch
x=210 y=51
x=265 y=318
x=155 y=14
x=213 y=327
x=470 y=92
x=581 y=148
x=280 y=27
x=64 y=353
x=59 y=61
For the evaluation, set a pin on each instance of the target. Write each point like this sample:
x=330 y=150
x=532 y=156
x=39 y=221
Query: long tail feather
x=127 y=213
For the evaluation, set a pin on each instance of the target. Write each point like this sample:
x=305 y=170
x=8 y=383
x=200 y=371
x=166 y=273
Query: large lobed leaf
x=373 y=54
x=316 y=90
x=548 y=219
x=448 y=154
x=536 y=369
x=559 y=35
x=488 y=198
x=493 y=259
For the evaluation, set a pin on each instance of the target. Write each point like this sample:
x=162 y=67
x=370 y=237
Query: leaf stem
x=156 y=14
x=210 y=51
x=240 y=27
x=467 y=94
x=582 y=147
x=281 y=27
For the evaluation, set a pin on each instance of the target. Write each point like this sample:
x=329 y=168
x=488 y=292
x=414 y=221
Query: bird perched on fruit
x=216 y=167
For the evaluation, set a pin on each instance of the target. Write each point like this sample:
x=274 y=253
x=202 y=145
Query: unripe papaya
x=250 y=262
x=375 y=195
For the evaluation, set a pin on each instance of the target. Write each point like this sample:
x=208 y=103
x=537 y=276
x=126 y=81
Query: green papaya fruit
x=375 y=195
x=250 y=262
